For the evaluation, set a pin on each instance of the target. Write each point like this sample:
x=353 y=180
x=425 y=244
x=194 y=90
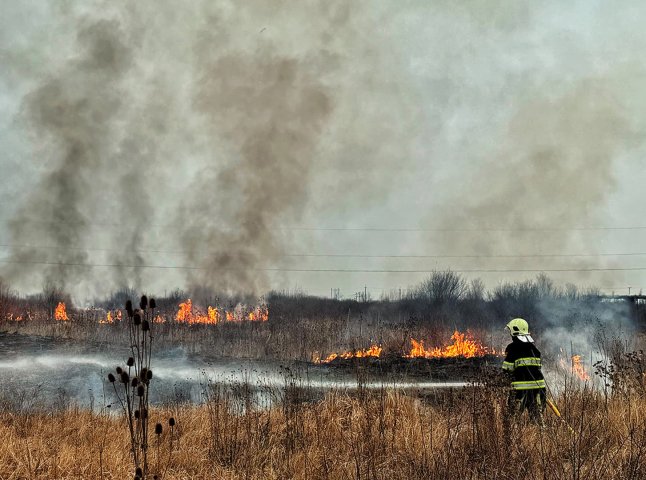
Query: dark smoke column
x=268 y=112
x=71 y=116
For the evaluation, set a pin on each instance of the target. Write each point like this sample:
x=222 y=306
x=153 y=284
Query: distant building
x=634 y=299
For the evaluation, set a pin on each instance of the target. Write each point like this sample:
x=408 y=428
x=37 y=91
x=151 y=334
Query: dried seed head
x=149 y=375
x=140 y=391
x=111 y=378
x=171 y=421
x=139 y=473
x=144 y=413
x=135 y=382
x=158 y=429
x=143 y=374
x=137 y=318
x=125 y=378
x=130 y=362
x=145 y=326
x=129 y=308
x=143 y=303
x=119 y=370
x=153 y=304
x=137 y=415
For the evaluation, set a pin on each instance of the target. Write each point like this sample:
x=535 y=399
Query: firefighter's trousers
x=533 y=400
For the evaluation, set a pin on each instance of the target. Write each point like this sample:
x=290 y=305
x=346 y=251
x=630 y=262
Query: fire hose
x=554 y=408
x=550 y=403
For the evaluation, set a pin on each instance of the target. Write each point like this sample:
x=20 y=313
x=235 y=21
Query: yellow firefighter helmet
x=518 y=326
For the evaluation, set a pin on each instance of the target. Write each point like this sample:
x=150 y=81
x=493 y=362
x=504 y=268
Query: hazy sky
x=231 y=137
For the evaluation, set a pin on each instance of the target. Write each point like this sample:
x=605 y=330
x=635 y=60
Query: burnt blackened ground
x=435 y=369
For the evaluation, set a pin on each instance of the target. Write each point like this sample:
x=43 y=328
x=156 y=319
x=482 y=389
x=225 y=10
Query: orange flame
x=576 y=367
x=259 y=314
x=185 y=311
x=464 y=345
x=214 y=315
x=185 y=314
x=373 y=351
x=111 y=317
x=61 y=313
x=159 y=319
x=108 y=319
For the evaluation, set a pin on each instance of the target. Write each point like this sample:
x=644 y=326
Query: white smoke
x=202 y=130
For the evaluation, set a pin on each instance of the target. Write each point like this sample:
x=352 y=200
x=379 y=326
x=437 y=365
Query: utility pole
x=365 y=293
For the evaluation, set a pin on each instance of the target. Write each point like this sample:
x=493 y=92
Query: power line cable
x=343 y=255
x=364 y=229
x=475 y=230
x=324 y=270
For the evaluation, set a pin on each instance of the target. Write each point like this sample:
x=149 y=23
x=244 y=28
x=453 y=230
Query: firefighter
x=523 y=363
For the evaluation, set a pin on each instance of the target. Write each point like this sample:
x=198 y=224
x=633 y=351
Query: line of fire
x=461 y=346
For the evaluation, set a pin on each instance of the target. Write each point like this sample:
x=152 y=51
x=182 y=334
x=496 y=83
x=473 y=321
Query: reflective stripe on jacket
x=523 y=363
x=528 y=362
x=528 y=385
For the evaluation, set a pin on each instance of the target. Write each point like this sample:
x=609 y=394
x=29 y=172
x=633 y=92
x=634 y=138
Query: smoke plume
x=196 y=141
x=554 y=170
x=157 y=145
x=268 y=110
x=72 y=116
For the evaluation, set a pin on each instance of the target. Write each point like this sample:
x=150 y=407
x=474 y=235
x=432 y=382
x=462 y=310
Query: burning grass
x=187 y=313
x=373 y=351
x=575 y=366
x=380 y=435
x=190 y=315
x=462 y=345
x=60 y=313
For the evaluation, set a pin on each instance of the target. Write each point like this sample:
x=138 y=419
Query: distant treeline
x=302 y=326
x=447 y=298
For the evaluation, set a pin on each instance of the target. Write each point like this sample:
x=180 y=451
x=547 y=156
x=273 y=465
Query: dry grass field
x=366 y=434
x=462 y=434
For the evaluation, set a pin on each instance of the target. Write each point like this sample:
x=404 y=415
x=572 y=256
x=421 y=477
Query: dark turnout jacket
x=523 y=362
